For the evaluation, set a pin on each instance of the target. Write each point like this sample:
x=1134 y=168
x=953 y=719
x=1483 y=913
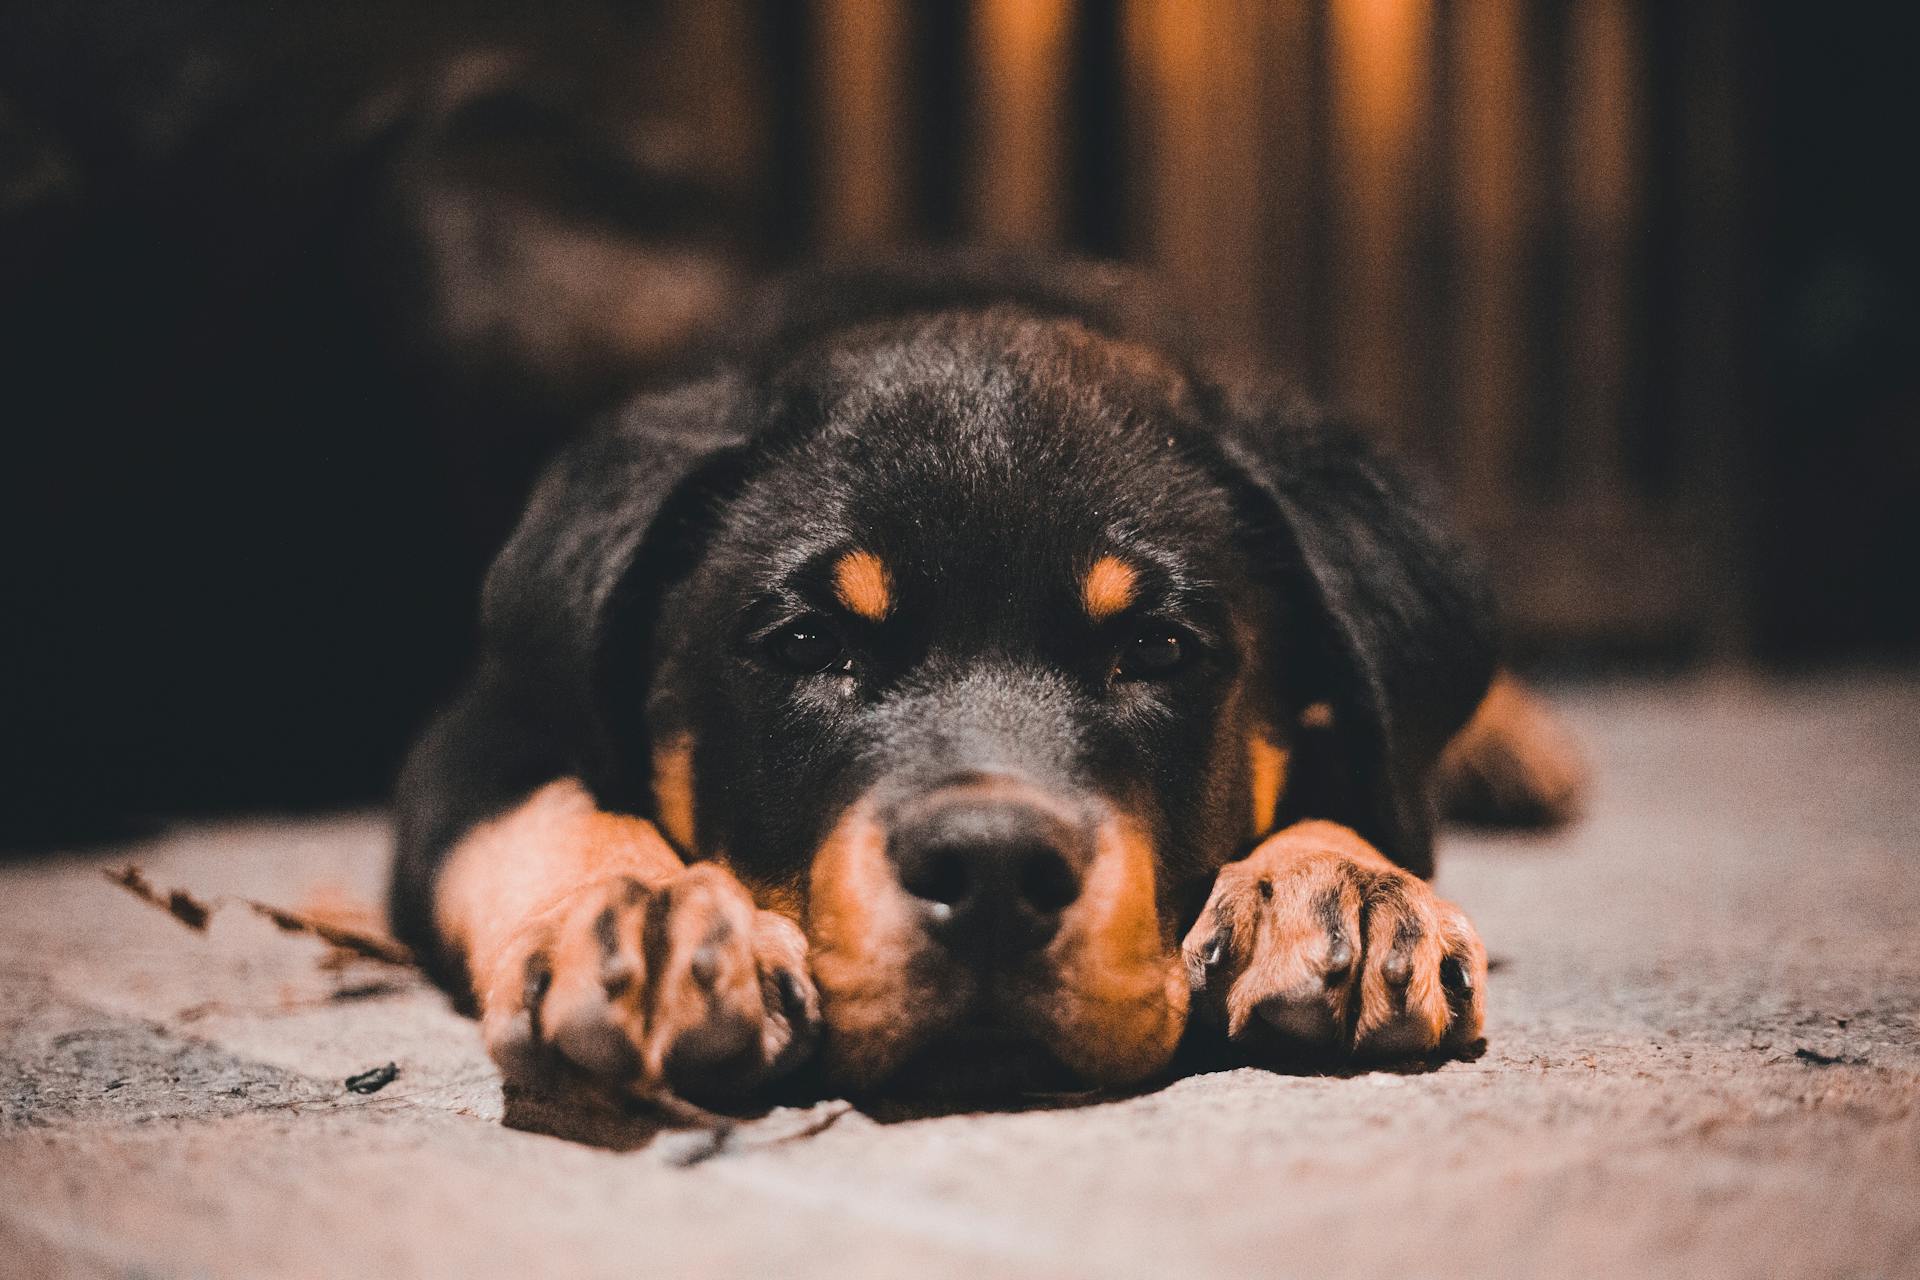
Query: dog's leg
x=1316 y=942
x=595 y=953
x=1514 y=764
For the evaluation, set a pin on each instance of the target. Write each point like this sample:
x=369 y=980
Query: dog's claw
x=1397 y=968
x=705 y=968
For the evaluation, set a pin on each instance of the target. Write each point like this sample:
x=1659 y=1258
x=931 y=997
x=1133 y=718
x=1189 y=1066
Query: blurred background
x=294 y=298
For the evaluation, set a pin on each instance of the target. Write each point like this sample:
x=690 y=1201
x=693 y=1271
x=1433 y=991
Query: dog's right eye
x=807 y=647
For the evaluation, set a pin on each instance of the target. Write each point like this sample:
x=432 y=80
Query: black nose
x=995 y=873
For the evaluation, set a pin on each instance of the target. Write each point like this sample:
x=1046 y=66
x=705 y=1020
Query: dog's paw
x=630 y=988
x=1315 y=944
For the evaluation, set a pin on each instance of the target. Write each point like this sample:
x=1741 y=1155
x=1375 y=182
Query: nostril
x=1047 y=883
x=941 y=876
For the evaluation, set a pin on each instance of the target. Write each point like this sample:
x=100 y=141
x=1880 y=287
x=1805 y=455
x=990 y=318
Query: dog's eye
x=807 y=647
x=1156 y=649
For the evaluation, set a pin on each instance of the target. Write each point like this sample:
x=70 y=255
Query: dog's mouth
x=979 y=1064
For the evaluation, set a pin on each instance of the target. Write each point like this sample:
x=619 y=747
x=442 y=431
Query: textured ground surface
x=1705 y=1059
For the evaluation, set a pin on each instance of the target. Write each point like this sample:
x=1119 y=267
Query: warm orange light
x=1021 y=58
x=1379 y=49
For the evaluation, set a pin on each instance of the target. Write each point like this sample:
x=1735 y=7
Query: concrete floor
x=1705 y=1060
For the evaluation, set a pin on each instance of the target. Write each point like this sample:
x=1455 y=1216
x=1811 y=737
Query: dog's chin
x=979 y=1066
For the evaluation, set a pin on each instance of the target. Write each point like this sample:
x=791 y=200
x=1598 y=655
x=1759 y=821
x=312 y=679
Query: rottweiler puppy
x=964 y=685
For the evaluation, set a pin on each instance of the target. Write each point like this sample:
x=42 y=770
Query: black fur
x=982 y=425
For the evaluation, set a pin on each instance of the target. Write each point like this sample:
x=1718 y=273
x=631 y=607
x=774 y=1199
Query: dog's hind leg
x=1515 y=764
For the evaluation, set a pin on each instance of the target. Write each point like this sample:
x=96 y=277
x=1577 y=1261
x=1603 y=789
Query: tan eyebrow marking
x=863 y=585
x=1108 y=587
x=1267 y=770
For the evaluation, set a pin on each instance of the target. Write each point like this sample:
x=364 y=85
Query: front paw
x=1314 y=943
x=632 y=988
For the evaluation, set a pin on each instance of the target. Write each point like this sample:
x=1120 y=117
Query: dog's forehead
x=1004 y=486
x=982 y=458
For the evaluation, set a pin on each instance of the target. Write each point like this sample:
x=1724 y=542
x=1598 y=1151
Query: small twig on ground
x=178 y=903
x=361 y=943
x=1819 y=1059
x=194 y=913
x=721 y=1139
x=817 y=1126
x=718 y=1128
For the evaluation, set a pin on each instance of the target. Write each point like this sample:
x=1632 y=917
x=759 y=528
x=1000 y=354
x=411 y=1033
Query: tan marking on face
x=862 y=583
x=866 y=940
x=673 y=789
x=524 y=862
x=1117 y=1000
x=1317 y=716
x=1108 y=587
x=1267 y=774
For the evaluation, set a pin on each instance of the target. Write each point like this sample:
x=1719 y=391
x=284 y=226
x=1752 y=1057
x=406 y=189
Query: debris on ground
x=370 y=945
x=178 y=903
x=374 y=1080
x=194 y=913
x=1819 y=1059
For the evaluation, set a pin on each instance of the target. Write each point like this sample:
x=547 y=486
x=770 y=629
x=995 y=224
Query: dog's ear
x=1401 y=644
x=567 y=607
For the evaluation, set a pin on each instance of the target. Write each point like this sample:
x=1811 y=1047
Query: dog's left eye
x=1157 y=649
x=807 y=648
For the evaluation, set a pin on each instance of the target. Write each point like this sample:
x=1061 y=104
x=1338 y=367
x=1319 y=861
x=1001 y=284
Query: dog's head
x=987 y=642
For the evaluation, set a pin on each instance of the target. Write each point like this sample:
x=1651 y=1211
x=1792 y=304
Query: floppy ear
x=567 y=609
x=1403 y=645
